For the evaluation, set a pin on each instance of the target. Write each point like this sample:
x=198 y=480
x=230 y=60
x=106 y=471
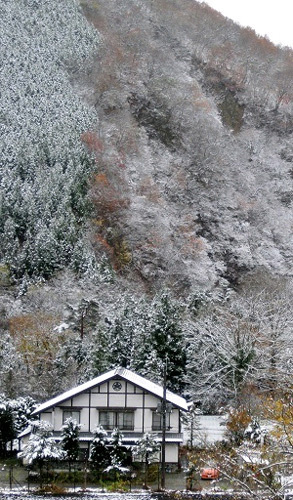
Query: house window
x=71 y=413
x=158 y=421
x=121 y=419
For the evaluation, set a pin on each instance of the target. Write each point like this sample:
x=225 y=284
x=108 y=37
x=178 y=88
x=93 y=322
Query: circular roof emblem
x=117 y=386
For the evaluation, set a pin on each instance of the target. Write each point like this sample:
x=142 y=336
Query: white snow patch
x=60 y=328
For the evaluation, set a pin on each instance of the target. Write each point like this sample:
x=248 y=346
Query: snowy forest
x=146 y=189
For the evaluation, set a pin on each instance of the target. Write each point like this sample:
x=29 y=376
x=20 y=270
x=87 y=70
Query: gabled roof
x=125 y=374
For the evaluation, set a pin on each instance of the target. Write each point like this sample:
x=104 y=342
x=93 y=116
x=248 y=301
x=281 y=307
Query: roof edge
x=124 y=373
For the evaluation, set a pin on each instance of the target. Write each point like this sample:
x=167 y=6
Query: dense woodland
x=145 y=200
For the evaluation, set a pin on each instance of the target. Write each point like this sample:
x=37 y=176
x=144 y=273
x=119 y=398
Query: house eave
x=126 y=375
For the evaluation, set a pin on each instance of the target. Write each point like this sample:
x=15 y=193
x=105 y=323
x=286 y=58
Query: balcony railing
x=129 y=436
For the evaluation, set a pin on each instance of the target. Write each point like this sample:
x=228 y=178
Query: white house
x=118 y=398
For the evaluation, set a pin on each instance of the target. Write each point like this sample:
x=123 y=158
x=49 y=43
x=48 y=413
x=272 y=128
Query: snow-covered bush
x=41 y=446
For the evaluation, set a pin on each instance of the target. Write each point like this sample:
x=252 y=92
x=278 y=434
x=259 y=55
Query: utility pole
x=163 y=475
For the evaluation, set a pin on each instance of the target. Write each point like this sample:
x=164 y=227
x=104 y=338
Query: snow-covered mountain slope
x=195 y=130
x=146 y=144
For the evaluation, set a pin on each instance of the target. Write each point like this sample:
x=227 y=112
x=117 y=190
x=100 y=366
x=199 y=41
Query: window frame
x=157 y=421
x=120 y=419
x=70 y=411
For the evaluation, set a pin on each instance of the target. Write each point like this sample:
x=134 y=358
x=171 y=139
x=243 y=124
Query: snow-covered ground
x=86 y=496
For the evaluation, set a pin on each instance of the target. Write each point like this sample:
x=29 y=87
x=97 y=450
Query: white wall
x=172 y=452
x=105 y=396
x=210 y=430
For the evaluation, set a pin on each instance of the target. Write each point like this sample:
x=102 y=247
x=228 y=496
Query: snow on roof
x=125 y=374
x=25 y=432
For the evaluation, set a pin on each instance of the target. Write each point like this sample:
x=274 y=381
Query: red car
x=210 y=473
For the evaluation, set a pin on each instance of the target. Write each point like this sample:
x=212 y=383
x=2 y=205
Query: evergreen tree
x=145 y=336
x=147 y=450
x=7 y=427
x=76 y=359
x=117 y=455
x=11 y=366
x=117 y=450
x=22 y=409
x=127 y=327
x=41 y=447
x=70 y=439
x=99 y=453
x=122 y=336
x=41 y=222
x=99 y=352
x=254 y=432
x=191 y=424
x=165 y=343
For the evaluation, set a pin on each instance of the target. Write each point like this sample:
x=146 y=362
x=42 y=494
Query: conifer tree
x=118 y=452
x=70 y=439
x=165 y=343
x=147 y=450
x=22 y=409
x=41 y=447
x=147 y=335
x=99 y=452
x=7 y=427
x=122 y=337
x=117 y=455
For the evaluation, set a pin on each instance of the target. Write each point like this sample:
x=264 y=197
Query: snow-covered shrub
x=41 y=445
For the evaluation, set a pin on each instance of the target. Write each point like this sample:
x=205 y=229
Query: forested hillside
x=145 y=198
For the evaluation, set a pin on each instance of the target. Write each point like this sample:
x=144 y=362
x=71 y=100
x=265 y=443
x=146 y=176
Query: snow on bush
x=41 y=445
